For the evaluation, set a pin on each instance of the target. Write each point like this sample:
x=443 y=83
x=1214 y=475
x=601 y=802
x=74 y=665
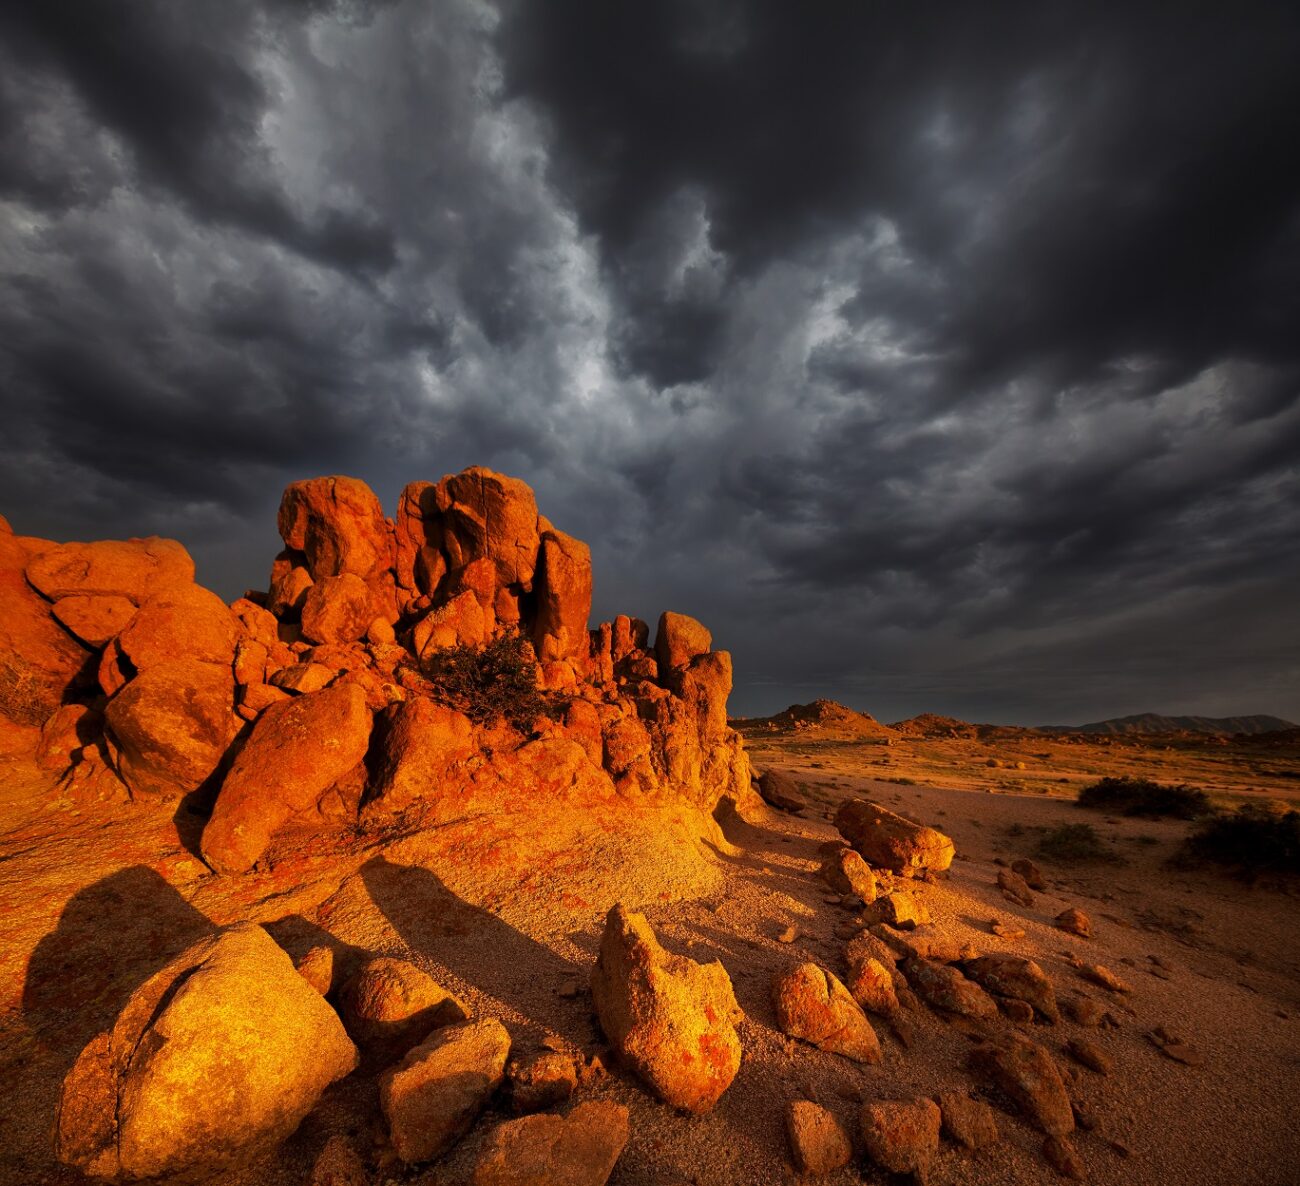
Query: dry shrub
x=1141 y=796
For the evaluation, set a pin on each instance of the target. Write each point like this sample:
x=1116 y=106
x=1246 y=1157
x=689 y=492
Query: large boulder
x=1030 y=1076
x=338 y=525
x=218 y=1055
x=337 y=609
x=578 y=1149
x=40 y=662
x=421 y=740
x=813 y=1005
x=171 y=726
x=679 y=639
x=181 y=621
x=488 y=514
x=563 y=597
x=889 y=841
x=437 y=1091
x=296 y=751
x=94 y=618
x=133 y=568
x=672 y=1020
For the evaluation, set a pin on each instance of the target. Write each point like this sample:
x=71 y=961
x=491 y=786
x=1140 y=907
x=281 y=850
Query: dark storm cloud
x=939 y=358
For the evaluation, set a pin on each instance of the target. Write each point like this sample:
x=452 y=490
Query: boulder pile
x=318 y=702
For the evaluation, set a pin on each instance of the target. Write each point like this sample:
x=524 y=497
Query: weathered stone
x=1090 y=1055
x=337 y=609
x=818 y=1142
x=182 y=621
x=669 y=1018
x=66 y=731
x=1012 y=976
x=1100 y=974
x=901 y=911
x=578 y=1149
x=563 y=597
x=872 y=985
x=813 y=1005
x=780 y=791
x=295 y=752
x=678 y=640
x=317 y=968
x=433 y=1096
x=1028 y=1074
x=420 y=741
x=1063 y=1158
x=902 y=1136
x=289 y=592
x=541 y=1080
x=339 y=1164
x=171 y=726
x=40 y=663
x=943 y=987
x=220 y=1054
x=1075 y=922
x=488 y=514
x=390 y=1005
x=1014 y=889
x=459 y=622
x=1083 y=1011
x=303 y=678
x=1031 y=874
x=889 y=841
x=94 y=619
x=969 y=1122
x=338 y=524
x=847 y=873
x=134 y=568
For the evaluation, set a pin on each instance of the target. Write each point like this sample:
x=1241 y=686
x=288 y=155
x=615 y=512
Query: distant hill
x=1150 y=722
x=821 y=716
x=931 y=724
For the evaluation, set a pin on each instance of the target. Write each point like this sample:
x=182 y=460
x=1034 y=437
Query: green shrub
x=1075 y=844
x=1250 y=840
x=490 y=683
x=1141 y=796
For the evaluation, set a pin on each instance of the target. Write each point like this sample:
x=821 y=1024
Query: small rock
x=1083 y=1117
x=969 y=1122
x=1028 y=1074
x=1006 y=930
x=389 y=1005
x=813 y=1005
x=317 y=968
x=569 y=990
x=541 y=1080
x=1011 y=976
x=433 y=1096
x=902 y=1136
x=1083 y=1011
x=339 y=1164
x=1099 y=974
x=1031 y=873
x=788 y=935
x=1120 y=1149
x=944 y=987
x=1183 y=1053
x=1090 y=1055
x=889 y=841
x=1063 y=1157
x=818 y=1142
x=1014 y=889
x=1016 y=1012
x=579 y=1149
x=1075 y=922
x=871 y=984
x=901 y=911
x=780 y=791
x=847 y=873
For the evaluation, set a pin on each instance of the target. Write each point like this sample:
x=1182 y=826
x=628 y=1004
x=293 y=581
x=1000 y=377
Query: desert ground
x=97 y=898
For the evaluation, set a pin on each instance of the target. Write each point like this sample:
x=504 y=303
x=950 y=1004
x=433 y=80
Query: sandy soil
x=96 y=899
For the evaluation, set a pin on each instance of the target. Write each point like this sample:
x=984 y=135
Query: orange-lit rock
x=337 y=609
x=95 y=618
x=183 y=620
x=488 y=514
x=338 y=525
x=812 y=1004
x=134 y=568
x=889 y=841
x=679 y=639
x=420 y=742
x=563 y=597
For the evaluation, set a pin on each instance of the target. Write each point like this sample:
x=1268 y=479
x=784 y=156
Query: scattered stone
x=1014 y=889
x=433 y=1096
x=579 y=1149
x=847 y=873
x=213 y=1059
x=901 y=911
x=541 y=1080
x=390 y=1005
x=570 y=990
x=889 y=841
x=421 y=741
x=1173 y=1047
x=1120 y=1149
x=871 y=984
x=1090 y=1055
x=1063 y=1158
x=1031 y=873
x=818 y=1142
x=1099 y=974
x=902 y=1136
x=969 y=1122
x=788 y=934
x=669 y=1018
x=1075 y=922
x=1006 y=930
x=1084 y=1118
x=1016 y=1012
x=944 y=987
x=780 y=791
x=339 y=1164
x=317 y=968
x=1012 y=976
x=1083 y=1011
x=813 y=1005
x=1028 y=1074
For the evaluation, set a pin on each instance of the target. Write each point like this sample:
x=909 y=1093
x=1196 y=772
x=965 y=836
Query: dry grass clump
x=1076 y=844
x=1250 y=841
x=1141 y=796
x=492 y=682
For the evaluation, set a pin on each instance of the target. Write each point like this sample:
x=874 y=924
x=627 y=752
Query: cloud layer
x=937 y=364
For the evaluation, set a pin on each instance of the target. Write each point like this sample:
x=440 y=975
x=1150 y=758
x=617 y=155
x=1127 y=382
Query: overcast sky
x=937 y=357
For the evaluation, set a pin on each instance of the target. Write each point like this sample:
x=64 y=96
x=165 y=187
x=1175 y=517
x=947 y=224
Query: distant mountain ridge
x=1151 y=722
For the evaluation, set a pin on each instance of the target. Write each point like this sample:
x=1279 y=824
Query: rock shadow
x=480 y=949
x=111 y=937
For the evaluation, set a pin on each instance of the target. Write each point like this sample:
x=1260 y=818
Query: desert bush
x=1075 y=844
x=490 y=683
x=1141 y=796
x=1250 y=840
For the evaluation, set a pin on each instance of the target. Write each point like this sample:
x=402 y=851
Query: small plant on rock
x=493 y=682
